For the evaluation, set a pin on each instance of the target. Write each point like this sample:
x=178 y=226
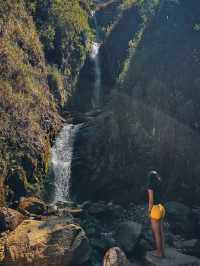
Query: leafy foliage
x=43 y=44
x=34 y=33
x=129 y=3
x=63 y=25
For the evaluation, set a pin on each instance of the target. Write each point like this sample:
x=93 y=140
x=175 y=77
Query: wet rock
x=196 y=214
x=102 y=208
x=190 y=247
x=115 y=257
x=86 y=204
x=103 y=241
x=176 y=209
x=114 y=209
x=47 y=243
x=127 y=235
x=148 y=236
x=76 y=212
x=181 y=219
x=173 y=258
x=32 y=205
x=66 y=204
x=9 y=219
x=63 y=211
x=97 y=208
x=69 y=213
x=143 y=246
x=135 y=263
x=52 y=210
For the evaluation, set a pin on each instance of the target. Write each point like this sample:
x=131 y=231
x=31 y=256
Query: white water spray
x=95 y=56
x=62 y=156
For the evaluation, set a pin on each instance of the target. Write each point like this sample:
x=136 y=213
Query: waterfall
x=95 y=57
x=62 y=152
x=62 y=156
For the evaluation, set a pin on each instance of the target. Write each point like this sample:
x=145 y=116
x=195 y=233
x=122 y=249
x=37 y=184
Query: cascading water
x=62 y=156
x=95 y=57
x=62 y=151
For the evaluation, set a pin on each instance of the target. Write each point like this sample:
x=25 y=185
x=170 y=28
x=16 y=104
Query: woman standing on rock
x=156 y=211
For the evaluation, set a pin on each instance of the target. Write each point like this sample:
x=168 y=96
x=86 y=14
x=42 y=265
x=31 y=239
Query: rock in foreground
x=9 y=219
x=128 y=234
x=173 y=258
x=46 y=243
x=32 y=205
x=115 y=257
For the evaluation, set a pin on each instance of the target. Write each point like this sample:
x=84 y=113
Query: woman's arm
x=150 y=197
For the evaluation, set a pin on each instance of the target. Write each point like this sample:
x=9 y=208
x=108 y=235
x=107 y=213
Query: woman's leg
x=156 y=228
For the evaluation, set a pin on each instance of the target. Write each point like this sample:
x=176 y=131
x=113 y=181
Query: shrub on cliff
x=28 y=113
x=129 y=3
x=64 y=29
x=43 y=44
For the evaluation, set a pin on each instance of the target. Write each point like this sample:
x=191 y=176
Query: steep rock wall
x=151 y=121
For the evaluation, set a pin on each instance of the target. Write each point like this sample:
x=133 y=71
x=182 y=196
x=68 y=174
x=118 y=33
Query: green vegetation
x=57 y=86
x=62 y=25
x=26 y=103
x=66 y=36
x=128 y=3
x=133 y=43
x=41 y=41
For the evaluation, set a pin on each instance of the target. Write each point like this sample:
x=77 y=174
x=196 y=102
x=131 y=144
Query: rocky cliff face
x=149 y=61
x=43 y=46
x=152 y=118
x=66 y=36
x=149 y=118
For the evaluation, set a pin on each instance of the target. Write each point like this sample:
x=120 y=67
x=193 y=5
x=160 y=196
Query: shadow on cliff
x=153 y=119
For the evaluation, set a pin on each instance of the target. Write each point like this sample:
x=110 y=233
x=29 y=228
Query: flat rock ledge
x=173 y=258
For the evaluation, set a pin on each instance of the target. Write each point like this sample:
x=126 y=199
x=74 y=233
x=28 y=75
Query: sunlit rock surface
x=9 y=219
x=46 y=243
x=115 y=257
x=32 y=205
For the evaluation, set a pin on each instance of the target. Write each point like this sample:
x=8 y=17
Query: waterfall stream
x=63 y=149
x=95 y=57
x=62 y=156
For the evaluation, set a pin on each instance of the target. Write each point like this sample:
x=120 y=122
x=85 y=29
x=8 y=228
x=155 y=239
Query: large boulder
x=47 y=243
x=115 y=257
x=181 y=219
x=32 y=205
x=9 y=219
x=190 y=247
x=173 y=258
x=127 y=235
x=177 y=209
x=102 y=208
